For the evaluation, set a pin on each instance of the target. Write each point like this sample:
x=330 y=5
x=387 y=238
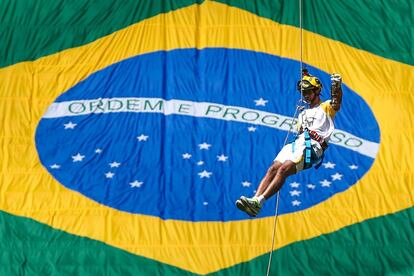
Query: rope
x=301 y=48
x=298 y=107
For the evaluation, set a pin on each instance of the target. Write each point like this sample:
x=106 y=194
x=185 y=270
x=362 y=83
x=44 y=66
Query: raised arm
x=336 y=91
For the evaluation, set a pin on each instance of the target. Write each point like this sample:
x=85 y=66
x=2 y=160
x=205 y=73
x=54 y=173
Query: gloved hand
x=336 y=79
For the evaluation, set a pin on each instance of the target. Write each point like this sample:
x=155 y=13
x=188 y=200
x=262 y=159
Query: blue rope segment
x=308 y=150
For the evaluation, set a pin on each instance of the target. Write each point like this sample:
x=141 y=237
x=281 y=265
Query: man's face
x=309 y=96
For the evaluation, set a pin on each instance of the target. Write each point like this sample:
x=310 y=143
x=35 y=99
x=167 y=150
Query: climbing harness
x=310 y=155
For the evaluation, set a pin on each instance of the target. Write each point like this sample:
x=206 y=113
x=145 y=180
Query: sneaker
x=251 y=206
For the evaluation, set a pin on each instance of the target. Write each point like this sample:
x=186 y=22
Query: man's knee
x=286 y=169
x=273 y=169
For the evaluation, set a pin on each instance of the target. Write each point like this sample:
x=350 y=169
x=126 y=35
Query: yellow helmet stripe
x=312 y=80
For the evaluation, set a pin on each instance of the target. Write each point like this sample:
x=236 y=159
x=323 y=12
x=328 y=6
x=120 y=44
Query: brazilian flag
x=129 y=128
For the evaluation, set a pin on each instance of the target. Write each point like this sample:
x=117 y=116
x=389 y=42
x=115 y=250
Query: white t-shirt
x=319 y=119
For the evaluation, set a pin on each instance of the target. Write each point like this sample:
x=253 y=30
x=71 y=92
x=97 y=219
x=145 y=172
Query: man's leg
x=270 y=175
x=286 y=169
x=272 y=182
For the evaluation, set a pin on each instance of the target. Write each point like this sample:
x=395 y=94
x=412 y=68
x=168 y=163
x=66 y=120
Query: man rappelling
x=315 y=126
